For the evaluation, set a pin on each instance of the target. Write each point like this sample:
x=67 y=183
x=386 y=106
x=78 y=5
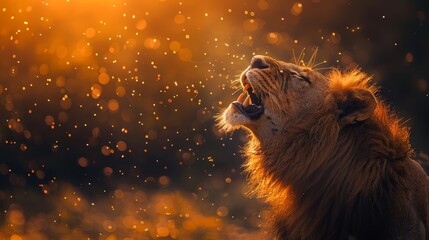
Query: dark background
x=107 y=108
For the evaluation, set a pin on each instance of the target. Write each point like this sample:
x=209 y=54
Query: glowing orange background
x=106 y=107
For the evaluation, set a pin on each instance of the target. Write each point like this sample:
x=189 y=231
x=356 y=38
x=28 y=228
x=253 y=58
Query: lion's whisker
x=324 y=68
x=301 y=57
x=294 y=57
x=236 y=91
x=318 y=64
x=312 y=59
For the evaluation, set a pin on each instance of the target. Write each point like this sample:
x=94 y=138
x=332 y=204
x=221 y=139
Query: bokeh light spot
x=222 y=211
x=175 y=46
x=107 y=171
x=273 y=38
x=121 y=91
x=296 y=9
x=103 y=78
x=83 y=162
x=121 y=146
x=63 y=117
x=60 y=81
x=141 y=24
x=44 y=69
x=164 y=180
x=96 y=91
x=179 y=19
x=263 y=5
x=16 y=237
x=13 y=71
x=66 y=102
x=106 y=150
x=151 y=43
x=16 y=217
x=109 y=226
x=251 y=25
x=113 y=105
x=422 y=85
x=61 y=52
x=409 y=57
x=162 y=231
x=49 y=120
x=185 y=54
x=90 y=32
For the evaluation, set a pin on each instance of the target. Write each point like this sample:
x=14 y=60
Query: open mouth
x=249 y=103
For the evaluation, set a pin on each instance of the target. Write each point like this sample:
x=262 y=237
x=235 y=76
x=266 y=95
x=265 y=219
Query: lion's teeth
x=247 y=86
x=240 y=98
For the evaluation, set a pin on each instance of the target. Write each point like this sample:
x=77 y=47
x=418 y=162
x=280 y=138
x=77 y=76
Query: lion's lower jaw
x=231 y=119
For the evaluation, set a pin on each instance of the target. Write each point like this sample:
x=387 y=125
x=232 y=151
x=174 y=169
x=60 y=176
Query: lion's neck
x=308 y=169
x=288 y=159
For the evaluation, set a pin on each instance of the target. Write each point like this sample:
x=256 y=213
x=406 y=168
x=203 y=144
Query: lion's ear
x=355 y=105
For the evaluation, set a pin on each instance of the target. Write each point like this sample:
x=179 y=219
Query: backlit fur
x=330 y=165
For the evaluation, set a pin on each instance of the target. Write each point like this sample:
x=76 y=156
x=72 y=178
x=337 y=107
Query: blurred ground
x=106 y=107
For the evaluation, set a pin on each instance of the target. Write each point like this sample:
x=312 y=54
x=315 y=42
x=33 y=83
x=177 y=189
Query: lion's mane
x=331 y=181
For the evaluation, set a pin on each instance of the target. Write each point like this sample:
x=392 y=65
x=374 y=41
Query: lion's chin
x=232 y=119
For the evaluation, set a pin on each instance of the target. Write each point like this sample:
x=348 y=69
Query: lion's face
x=275 y=94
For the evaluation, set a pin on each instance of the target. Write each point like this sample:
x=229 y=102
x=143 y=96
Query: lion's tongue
x=253 y=111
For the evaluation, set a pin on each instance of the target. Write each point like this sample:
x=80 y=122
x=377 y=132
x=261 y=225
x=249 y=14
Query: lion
x=328 y=155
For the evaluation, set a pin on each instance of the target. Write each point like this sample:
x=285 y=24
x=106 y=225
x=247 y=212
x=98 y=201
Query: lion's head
x=277 y=95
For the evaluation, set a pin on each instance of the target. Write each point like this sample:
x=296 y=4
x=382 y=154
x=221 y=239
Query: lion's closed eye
x=300 y=77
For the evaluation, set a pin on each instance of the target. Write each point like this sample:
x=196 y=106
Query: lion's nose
x=259 y=62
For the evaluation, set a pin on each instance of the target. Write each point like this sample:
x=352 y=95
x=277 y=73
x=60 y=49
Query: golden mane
x=332 y=181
